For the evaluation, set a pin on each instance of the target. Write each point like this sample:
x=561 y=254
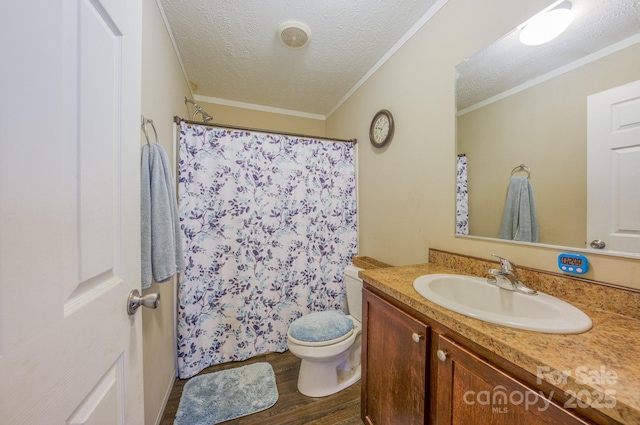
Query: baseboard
x=166 y=398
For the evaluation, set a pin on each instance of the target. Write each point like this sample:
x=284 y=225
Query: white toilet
x=329 y=344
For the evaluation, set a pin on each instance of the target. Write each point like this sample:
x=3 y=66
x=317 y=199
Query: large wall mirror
x=528 y=105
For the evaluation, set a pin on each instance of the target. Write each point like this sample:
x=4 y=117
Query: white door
x=69 y=212
x=613 y=168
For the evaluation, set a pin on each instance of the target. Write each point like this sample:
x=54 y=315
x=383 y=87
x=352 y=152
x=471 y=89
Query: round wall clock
x=381 y=130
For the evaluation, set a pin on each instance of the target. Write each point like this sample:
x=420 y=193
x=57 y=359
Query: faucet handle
x=505 y=264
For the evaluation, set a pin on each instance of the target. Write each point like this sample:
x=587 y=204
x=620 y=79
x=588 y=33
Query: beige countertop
x=602 y=364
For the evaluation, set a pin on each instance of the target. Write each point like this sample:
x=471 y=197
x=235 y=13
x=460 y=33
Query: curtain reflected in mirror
x=462 y=197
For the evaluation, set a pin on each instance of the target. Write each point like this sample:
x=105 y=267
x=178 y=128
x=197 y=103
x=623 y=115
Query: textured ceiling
x=507 y=63
x=230 y=51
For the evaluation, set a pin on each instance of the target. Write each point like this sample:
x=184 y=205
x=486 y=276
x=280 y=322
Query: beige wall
x=544 y=127
x=407 y=190
x=163 y=91
x=230 y=115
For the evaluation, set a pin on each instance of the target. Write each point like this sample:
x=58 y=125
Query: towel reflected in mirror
x=520 y=218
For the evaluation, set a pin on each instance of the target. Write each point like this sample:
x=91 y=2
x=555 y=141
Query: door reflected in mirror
x=527 y=105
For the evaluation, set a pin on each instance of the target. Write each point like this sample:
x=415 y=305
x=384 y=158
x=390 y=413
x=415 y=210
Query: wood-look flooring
x=292 y=408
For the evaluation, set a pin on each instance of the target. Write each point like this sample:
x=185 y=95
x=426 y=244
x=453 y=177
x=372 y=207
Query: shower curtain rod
x=177 y=120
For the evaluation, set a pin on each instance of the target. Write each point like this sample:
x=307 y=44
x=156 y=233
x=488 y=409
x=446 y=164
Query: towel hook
x=521 y=167
x=146 y=121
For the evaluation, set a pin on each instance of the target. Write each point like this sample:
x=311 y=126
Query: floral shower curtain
x=269 y=225
x=462 y=197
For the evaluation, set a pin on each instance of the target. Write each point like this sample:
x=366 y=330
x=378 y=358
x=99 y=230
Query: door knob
x=135 y=301
x=597 y=244
x=416 y=337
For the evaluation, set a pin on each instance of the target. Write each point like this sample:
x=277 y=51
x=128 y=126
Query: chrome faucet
x=507 y=277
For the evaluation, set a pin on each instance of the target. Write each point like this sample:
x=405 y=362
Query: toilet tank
x=353 y=284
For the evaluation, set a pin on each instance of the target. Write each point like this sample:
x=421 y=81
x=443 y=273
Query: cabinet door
x=394 y=365
x=472 y=391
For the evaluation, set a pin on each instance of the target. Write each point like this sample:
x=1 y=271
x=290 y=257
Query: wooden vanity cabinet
x=414 y=373
x=394 y=365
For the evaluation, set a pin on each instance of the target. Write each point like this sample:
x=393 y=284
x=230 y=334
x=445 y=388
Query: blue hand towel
x=161 y=243
x=520 y=218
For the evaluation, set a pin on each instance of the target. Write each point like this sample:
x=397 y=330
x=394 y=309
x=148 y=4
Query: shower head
x=205 y=116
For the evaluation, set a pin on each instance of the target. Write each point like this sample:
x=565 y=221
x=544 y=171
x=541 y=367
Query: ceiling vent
x=294 y=35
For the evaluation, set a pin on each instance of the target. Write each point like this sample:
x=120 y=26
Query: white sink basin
x=475 y=297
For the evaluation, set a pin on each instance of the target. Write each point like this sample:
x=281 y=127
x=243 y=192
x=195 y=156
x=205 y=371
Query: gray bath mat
x=217 y=397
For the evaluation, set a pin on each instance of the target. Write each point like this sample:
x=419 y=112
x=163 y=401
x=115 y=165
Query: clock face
x=381 y=129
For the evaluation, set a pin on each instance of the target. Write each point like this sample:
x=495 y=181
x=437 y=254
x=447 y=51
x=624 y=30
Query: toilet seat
x=320 y=329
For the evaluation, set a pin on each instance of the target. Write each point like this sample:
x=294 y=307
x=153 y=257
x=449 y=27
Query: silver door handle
x=597 y=244
x=135 y=301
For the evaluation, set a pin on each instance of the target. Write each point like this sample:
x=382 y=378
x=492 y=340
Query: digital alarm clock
x=573 y=263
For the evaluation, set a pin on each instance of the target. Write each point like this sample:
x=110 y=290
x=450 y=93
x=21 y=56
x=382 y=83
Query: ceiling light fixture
x=294 y=35
x=546 y=26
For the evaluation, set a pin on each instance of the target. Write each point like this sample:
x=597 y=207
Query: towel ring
x=523 y=168
x=144 y=127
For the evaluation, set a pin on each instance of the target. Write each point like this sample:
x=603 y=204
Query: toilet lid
x=321 y=328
